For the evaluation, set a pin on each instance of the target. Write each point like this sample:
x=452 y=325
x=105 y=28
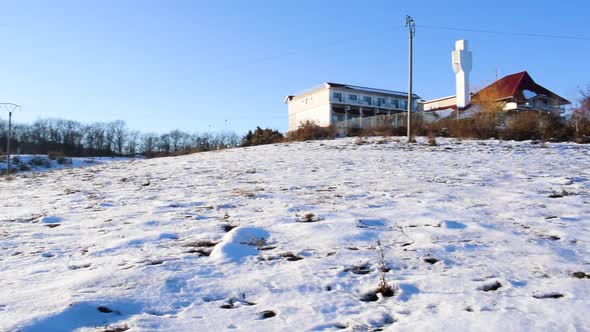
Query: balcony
x=377 y=121
x=373 y=104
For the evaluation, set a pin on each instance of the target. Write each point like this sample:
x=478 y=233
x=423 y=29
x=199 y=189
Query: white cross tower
x=462 y=67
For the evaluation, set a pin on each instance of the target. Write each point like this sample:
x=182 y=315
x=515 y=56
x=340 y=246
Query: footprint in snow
x=330 y=327
x=168 y=236
x=431 y=260
x=370 y=223
x=552 y=295
x=491 y=286
x=454 y=225
x=236 y=303
x=50 y=220
x=267 y=314
x=81 y=266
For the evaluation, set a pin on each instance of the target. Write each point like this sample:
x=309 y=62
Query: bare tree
x=581 y=114
x=132 y=142
x=178 y=140
x=73 y=138
x=119 y=135
x=149 y=144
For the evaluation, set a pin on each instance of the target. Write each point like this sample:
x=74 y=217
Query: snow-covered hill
x=471 y=236
x=26 y=163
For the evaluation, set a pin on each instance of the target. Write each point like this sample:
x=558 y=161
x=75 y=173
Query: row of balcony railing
x=400 y=105
x=368 y=122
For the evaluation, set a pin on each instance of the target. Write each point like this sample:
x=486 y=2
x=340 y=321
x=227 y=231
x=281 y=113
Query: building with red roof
x=520 y=92
x=512 y=93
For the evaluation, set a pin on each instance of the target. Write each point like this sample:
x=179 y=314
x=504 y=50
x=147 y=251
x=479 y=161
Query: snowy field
x=471 y=235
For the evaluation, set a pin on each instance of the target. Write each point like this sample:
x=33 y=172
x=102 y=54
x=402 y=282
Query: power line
x=512 y=33
x=332 y=44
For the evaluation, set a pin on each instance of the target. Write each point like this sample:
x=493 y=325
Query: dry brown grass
x=522 y=126
x=308 y=217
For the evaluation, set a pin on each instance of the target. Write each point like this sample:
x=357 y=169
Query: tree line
x=73 y=138
x=76 y=139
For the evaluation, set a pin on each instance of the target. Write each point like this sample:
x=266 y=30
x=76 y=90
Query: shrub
x=483 y=125
x=522 y=126
x=555 y=128
x=23 y=167
x=431 y=139
x=64 y=161
x=581 y=129
x=39 y=161
x=582 y=139
x=262 y=136
x=308 y=131
x=454 y=128
x=160 y=155
x=53 y=155
x=580 y=121
x=385 y=129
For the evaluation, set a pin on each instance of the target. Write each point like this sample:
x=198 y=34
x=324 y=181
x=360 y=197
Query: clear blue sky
x=191 y=65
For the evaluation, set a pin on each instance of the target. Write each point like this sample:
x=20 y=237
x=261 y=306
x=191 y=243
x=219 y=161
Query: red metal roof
x=512 y=86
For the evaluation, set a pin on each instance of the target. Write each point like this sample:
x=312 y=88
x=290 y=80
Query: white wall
x=462 y=64
x=439 y=103
x=314 y=107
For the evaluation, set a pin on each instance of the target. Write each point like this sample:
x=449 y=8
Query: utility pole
x=412 y=32
x=10 y=107
x=8 y=144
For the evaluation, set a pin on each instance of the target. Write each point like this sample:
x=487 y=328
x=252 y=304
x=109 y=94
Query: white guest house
x=346 y=106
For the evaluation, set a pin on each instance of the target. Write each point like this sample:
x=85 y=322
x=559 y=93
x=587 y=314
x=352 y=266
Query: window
x=353 y=98
x=380 y=101
x=337 y=96
x=395 y=103
x=366 y=100
x=337 y=117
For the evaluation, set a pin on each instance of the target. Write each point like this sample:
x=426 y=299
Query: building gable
x=518 y=87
